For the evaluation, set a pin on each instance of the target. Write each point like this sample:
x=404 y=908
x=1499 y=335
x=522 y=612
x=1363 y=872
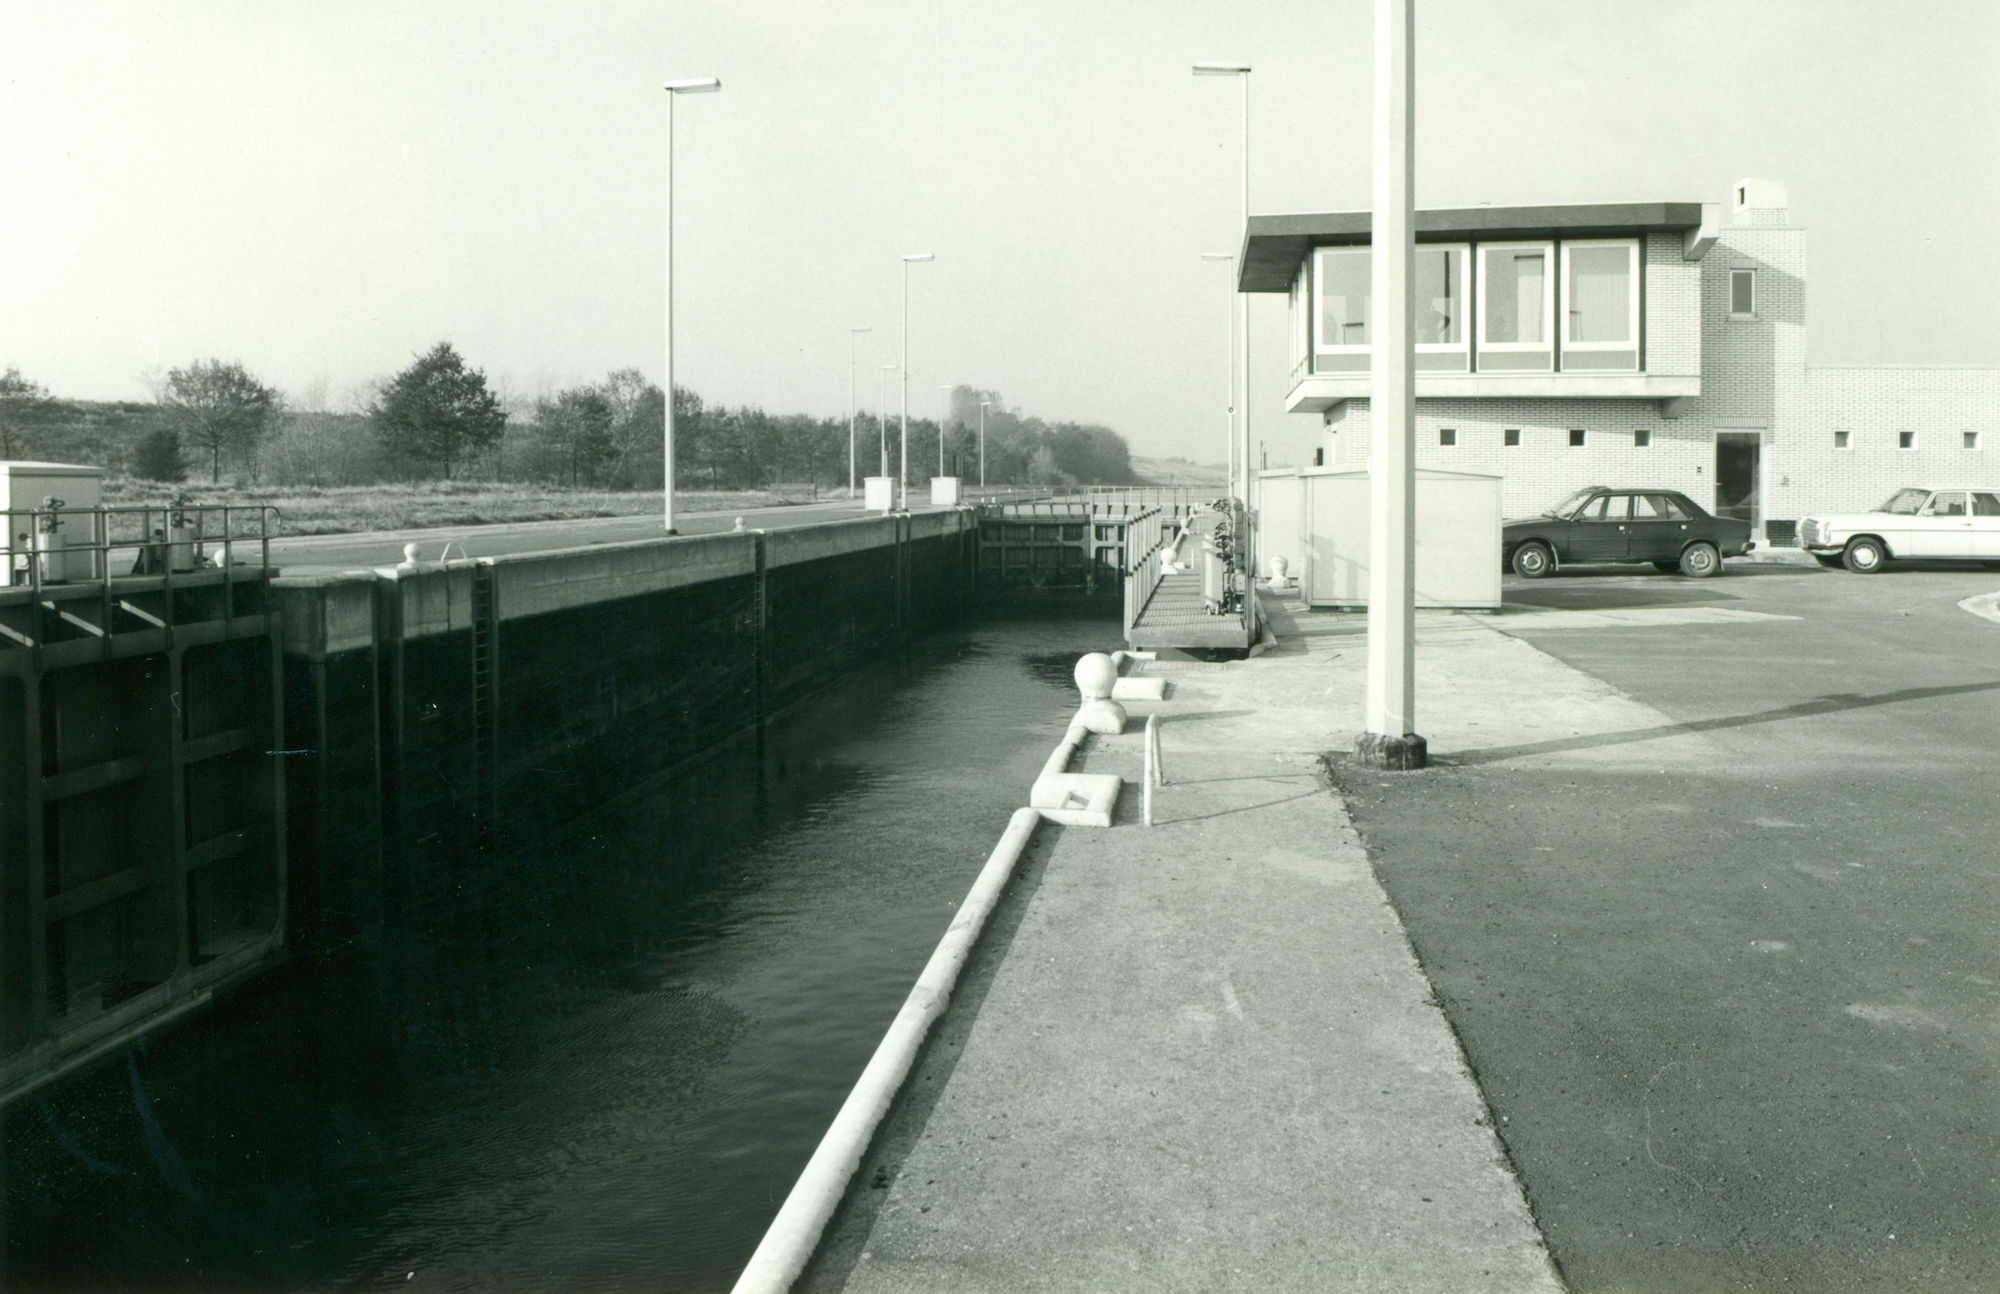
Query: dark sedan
x=1599 y=524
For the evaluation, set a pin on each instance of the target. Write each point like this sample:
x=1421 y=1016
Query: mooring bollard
x=1156 y=773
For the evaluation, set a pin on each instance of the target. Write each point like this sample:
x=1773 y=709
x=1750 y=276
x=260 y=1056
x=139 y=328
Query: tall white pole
x=903 y=457
x=674 y=89
x=942 y=419
x=882 y=423
x=667 y=447
x=853 y=336
x=1391 y=740
x=1229 y=396
x=983 y=406
x=1245 y=555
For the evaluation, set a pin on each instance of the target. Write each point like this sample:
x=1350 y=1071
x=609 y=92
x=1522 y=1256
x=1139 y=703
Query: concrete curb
x=794 y=1234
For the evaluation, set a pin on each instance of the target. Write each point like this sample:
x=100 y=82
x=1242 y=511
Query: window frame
x=1463 y=346
x=1547 y=346
x=1319 y=344
x=1636 y=268
x=1751 y=271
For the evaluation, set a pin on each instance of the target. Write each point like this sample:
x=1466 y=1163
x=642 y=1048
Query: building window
x=1449 y=436
x=1319 y=458
x=1972 y=440
x=1518 y=289
x=1511 y=436
x=1840 y=440
x=1742 y=294
x=1576 y=438
x=1906 y=440
x=1600 y=314
x=1343 y=326
x=1443 y=340
x=1642 y=438
x=1340 y=324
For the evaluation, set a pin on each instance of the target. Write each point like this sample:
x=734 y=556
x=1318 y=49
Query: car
x=1928 y=522
x=1602 y=524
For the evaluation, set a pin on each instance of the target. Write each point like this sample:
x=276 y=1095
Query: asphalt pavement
x=1725 y=968
x=309 y=554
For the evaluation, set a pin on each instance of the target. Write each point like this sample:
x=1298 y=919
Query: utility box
x=1281 y=520
x=52 y=521
x=879 y=494
x=944 y=491
x=1458 y=538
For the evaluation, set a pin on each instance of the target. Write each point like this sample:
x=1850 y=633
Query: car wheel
x=1533 y=560
x=1829 y=560
x=1667 y=568
x=1700 y=560
x=1864 y=556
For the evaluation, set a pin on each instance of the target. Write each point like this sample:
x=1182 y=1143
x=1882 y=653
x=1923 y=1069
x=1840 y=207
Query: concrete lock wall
x=445 y=711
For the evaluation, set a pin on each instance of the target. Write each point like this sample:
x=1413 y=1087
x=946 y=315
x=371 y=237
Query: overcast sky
x=323 y=190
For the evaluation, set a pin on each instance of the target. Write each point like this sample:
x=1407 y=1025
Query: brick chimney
x=1758 y=203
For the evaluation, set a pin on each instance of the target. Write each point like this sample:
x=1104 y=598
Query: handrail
x=1146 y=537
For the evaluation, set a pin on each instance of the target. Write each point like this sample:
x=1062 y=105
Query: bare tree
x=217 y=406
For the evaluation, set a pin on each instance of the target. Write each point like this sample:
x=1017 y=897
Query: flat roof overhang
x=1275 y=246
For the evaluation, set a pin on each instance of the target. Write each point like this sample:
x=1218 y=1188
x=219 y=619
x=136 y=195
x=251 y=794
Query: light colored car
x=1918 y=523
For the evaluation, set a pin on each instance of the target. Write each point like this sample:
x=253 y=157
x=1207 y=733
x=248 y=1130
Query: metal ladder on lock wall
x=485 y=707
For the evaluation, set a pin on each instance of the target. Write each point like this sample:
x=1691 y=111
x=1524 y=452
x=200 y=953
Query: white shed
x=1458 y=538
x=28 y=489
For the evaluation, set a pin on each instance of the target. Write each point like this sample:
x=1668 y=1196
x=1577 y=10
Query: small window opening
x=1511 y=436
x=1447 y=435
x=1576 y=438
x=1906 y=440
x=1642 y=438
x=1840 y=440
x=1972 y=440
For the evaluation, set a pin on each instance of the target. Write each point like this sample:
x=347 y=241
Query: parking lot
x=1729 y=981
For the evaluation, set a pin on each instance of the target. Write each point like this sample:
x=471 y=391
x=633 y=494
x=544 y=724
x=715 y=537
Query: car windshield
x=1905 y=503
x=1572 y=503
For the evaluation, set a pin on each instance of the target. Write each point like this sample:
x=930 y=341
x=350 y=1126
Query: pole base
x=1398 y=754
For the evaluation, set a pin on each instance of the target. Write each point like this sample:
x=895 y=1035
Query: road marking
x=1631 y=618
x=1986 y=606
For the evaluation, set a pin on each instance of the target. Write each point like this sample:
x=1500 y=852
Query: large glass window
x=1517 y=291
x=1601 y=304
x=1442 y=301
x=1342 y=293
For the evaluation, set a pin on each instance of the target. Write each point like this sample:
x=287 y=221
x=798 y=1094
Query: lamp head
x=920 y=256
x=1222 y=69
x=694 y=85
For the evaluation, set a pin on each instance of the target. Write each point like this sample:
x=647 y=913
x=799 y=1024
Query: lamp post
x=1391 y=739
x=1242 y=72
x=853 y=336
x=675 y=89
x=984 y=405
x=1229 y=392
x=881 y=421
x=942 y=418
x=903 y=459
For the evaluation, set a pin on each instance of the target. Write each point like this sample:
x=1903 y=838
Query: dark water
x=603 y=1065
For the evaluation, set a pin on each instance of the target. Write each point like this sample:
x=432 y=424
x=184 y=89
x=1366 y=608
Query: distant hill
x=1178 y=471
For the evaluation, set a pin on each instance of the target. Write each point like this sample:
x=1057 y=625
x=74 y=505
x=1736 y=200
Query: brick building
x=1623 y=344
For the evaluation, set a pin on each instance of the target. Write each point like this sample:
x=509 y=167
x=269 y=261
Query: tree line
x=440 y=419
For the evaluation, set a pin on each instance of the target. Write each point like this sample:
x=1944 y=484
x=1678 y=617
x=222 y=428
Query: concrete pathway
x=1201 y=1056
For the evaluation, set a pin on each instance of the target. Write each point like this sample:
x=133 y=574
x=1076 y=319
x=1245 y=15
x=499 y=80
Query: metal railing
x=1146 y=538
x=1178 y=500
x=54 y=550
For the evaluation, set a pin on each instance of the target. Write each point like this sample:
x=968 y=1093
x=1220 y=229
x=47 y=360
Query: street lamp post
x=675 y=89
x=984 y=405
x=1241 y=71
x=853 y=336
x=903 y=458
x=942 y=417
x=1229 y=390
x=881 y=420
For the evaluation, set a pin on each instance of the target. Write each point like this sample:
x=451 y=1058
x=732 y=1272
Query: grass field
x=357 y=508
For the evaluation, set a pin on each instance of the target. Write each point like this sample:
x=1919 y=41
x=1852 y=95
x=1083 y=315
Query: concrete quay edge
x=1200 y=1056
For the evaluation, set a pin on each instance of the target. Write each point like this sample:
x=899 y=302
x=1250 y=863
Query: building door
x=1739 y=477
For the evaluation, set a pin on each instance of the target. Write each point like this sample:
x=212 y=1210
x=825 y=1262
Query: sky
x=322 y=191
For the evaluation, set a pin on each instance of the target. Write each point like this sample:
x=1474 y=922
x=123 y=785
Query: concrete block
x=1076 y=799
